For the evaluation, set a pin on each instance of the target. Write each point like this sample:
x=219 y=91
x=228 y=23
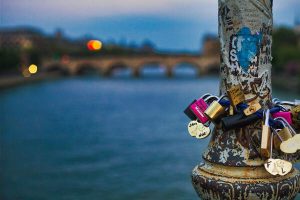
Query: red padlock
x=286 y=115
x=198 y=109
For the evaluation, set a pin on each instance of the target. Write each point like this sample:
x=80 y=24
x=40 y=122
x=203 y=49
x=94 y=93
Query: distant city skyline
x=170 y=24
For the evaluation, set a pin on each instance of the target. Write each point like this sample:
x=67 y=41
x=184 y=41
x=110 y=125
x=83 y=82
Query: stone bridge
x=106 y=65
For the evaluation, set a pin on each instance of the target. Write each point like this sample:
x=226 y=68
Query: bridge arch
x=162 y=66
x=107 y=65
x=116 y=66
x=57 y=68
x=188 y=65
x=86 y=68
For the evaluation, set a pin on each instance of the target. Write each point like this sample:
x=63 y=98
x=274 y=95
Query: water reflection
x=185 y=71
x=122 y=73
x=153 y=70
x=100 y=138
x=147 y=71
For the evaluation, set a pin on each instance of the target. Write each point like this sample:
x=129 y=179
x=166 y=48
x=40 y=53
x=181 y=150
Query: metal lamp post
x=233 y=167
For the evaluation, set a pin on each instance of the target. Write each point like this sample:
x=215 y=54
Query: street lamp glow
x=33 y=69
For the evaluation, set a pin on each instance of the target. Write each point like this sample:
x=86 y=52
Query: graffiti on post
x=265 y=48
x=246 y=47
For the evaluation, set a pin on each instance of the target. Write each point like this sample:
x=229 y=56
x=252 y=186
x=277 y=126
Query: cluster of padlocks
x=280 y=120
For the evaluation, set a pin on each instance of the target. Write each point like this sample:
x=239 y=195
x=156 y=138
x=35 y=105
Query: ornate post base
x=212 y=181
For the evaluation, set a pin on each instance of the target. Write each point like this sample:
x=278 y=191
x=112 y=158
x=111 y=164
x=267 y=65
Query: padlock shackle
x=222 y=97
x=286 y=124
x=205 y=95
x=282 y=108
x=289 y=103
x=211 y=97
x=276 y=100
x=276 y=132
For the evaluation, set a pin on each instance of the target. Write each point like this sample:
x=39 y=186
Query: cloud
x=92 y=8
x=26 y=11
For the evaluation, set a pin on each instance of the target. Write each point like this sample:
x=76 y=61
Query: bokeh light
x=33 y=69
x=94 y=45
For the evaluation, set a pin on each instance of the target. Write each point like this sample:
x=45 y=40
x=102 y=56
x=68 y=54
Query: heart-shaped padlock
x=278 y=166
x=284 y=167
x=193 y=128
x=203 y=131
x=291 y=145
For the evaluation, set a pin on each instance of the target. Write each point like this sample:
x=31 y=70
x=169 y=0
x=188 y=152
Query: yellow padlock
x=282 y=135
x=215 y=110
x=265 y=146
x=236 y=95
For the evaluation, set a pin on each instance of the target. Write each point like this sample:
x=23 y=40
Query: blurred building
x=21 y=38
x=147 y=47
x=211 y=46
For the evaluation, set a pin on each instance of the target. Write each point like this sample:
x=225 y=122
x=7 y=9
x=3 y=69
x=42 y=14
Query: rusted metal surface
x=240 y=148
x=233 y=166
x=241 y=184
x=235 y=147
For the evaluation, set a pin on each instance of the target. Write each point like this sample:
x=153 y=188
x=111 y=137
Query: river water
x=92 y=138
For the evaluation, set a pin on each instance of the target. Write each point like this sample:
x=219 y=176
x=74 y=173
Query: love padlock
x=265 y=145
x=278 y=166
x=215 y=109
x=190 y=113
x=286 y=115
x=252 y=108
x=236 y=95
x=198 y=130
x=196 y=109
x=281 y=136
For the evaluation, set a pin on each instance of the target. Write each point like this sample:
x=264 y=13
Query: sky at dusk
x=170 y=24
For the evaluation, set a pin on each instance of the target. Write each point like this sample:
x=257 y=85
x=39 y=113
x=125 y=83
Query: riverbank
x=17 y=80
